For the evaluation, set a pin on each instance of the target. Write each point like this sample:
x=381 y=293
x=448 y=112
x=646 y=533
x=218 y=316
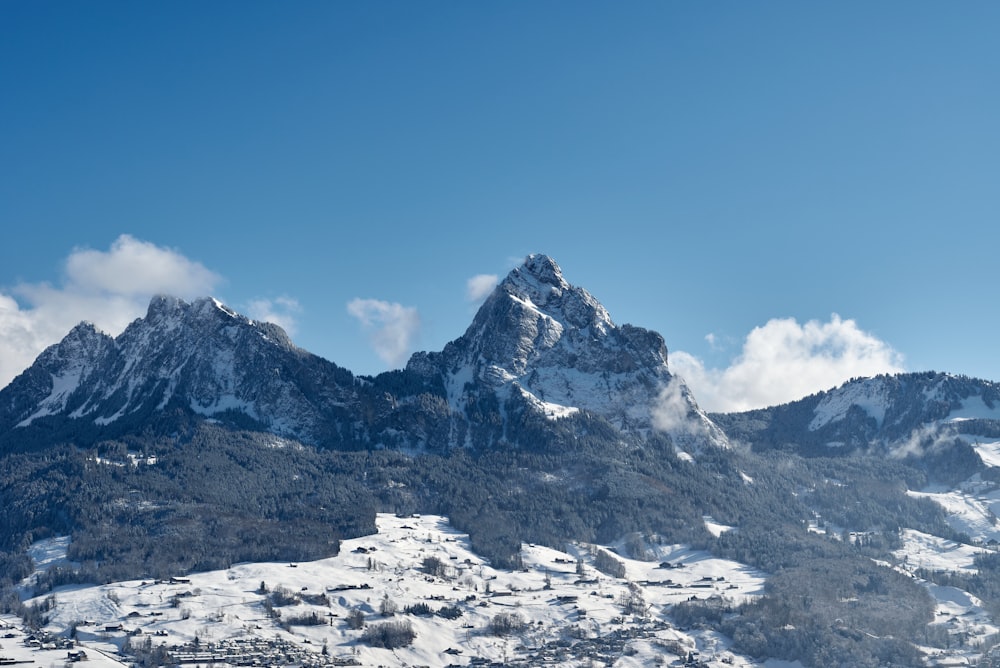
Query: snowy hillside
x=935 y=398
x=904 y=414
x=199 y=438
x=562 y=610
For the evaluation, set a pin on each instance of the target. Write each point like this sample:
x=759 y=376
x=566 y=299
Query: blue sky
x=791 y=193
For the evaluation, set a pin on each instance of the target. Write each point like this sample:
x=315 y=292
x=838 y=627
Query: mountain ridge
x=537 y=347
x=202 y=357
x=881 y=412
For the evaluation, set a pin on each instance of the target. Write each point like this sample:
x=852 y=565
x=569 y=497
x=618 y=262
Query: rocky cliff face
x=201 y=357
x=551 y=347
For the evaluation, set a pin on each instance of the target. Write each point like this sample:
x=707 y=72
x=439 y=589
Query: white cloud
x=281 y=311
x=480 y=286
x=672 y=412
x=391 y=327
x=134 y=267
x=108 y=288
x=928 y=439
x=783 y=361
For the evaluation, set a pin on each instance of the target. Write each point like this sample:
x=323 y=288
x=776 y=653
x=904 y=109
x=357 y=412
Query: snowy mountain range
x=199 y=438
x=538 y=347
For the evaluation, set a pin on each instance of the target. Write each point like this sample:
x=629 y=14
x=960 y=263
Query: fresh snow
x=974 y=408
x=922 y=550
x=15 y=650
x=550 y=410
x=988 y=452
x=223 y=403
x=960 y=614
x=225 y=309
x=869 y=395
x=714 y=527
x=225 y=605
x=48 y=553
x=455 y=386
x=62 y=386
x=971 y=509
x=872 y=396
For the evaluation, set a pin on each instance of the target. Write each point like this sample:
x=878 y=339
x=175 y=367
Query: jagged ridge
x=537 y=348
x=202 y=357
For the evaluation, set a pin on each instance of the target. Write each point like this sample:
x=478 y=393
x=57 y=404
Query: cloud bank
x=783 y=361
x=391 y=327
x=108 y=288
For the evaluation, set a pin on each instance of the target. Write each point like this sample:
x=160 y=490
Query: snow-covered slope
x=908 y=400
x=903 y=414
x=566 y=612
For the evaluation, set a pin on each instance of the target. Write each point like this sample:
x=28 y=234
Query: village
x=588 y=605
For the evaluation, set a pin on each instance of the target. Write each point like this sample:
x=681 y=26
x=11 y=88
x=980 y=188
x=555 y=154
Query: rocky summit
x=551 y=347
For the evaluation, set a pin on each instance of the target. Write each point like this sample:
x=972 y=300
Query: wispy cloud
x=108 y=288
x=282 y=311
x=783 y=361
x=480 y=286
x=672 y=412
x=391 y=327
x=928 y=439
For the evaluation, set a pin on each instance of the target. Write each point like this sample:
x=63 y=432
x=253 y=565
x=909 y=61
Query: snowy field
x=571 y=612
x=972 y=508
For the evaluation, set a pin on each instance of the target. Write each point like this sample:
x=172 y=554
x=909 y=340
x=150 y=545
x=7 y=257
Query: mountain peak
x=544 y=269
x=538 y=346
x=83 y=330
x=538 y=286
x=161 y=305
x=537 y=280
x=551 y=345
x=165 y=306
